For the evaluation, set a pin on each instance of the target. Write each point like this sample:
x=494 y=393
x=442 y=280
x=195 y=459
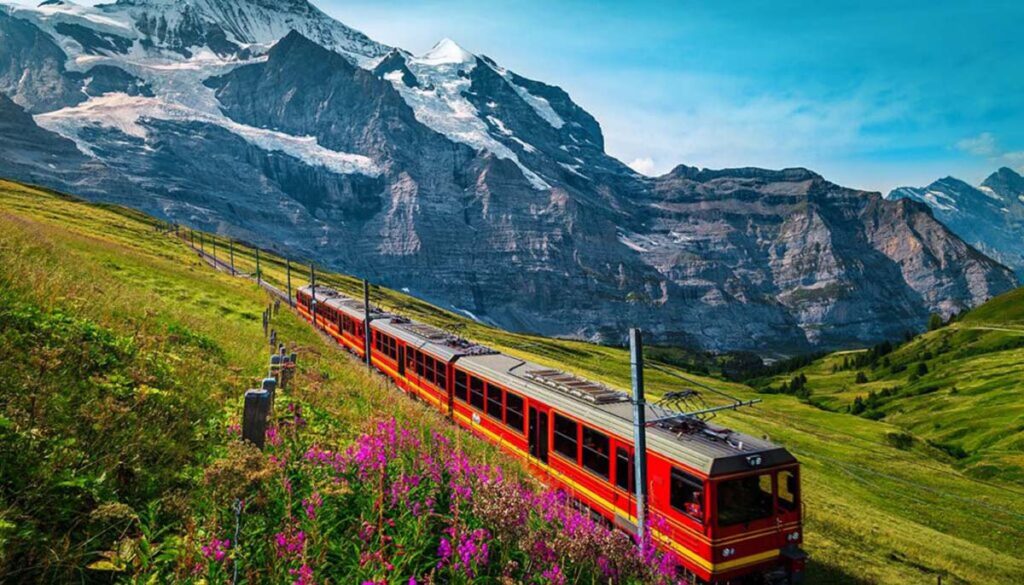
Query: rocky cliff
x=990 y=216
x=454 y=178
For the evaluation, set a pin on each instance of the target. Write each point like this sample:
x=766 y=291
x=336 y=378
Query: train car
x=727 y=504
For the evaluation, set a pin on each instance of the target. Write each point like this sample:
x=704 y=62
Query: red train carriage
x=727 y=504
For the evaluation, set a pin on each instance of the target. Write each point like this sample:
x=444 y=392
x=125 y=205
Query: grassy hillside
x=876 y=512
x=957 y=391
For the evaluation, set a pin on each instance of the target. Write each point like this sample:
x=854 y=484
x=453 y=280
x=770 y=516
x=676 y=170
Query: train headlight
x=793 y=537
x=728 y=552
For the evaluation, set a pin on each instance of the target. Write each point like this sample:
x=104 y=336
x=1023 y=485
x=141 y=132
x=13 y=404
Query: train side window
x=566 y=437
x=461 y=386
x=787 y=490
x=494 y=406
x=476 y=393
x=410 y=359
x=687 y=494
x=624 y=469
x=431 y=369
x=442 y=375
x=596 y=452
x=514 y=411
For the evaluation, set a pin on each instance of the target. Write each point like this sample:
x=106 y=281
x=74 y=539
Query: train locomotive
x=728 y=505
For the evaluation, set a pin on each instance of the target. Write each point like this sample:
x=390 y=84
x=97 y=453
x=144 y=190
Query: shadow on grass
x=821 y=574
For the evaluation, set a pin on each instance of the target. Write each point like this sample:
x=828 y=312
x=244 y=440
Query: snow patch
x=574 y=169
x=630 y=243
x=445 y=52
x=128 y=114
x=440 y=104
x=539 y=104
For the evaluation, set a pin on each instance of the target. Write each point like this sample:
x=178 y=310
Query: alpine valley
x=458 y=180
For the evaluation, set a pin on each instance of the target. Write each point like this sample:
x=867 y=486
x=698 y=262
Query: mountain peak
x=446 y=52
x=1007 y=183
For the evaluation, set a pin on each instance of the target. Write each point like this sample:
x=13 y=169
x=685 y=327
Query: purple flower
x=216 y=550
x=312 y=504
x=304 y=575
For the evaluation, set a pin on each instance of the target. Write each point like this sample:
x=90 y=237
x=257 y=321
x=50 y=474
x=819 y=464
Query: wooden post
x=192 y=237
x=231 y=246
x=270 y=387
x=288 y=271
x=202 y=243
x=254 y=418
x=213 y=239
x=368 y=347
x=636 y=363
x=259 y=277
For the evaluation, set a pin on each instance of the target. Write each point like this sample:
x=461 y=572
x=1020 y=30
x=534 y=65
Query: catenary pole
x=636 y=363
x=366 y=324
x=288 y=271
x=312 y=292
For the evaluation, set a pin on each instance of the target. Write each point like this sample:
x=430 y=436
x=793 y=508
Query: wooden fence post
x=270 y=387
x=254 y=418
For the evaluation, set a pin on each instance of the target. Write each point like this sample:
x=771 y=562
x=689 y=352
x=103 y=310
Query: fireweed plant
x=396 y=506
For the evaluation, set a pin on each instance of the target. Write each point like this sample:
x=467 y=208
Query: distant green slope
x=876 y=513
x=958 y=389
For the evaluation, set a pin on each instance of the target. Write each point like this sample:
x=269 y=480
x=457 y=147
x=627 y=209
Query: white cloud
x=986 y=145
x=644 y=166
x=983 y=144
x=1015 y=160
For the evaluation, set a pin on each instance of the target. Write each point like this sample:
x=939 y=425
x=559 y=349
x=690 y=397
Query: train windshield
x=745 y=500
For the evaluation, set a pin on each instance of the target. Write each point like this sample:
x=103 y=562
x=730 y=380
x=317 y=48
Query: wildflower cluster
x=399 y=506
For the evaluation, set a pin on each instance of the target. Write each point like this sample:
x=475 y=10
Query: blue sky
x=871 y=94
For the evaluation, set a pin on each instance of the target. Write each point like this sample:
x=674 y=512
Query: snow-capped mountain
x=990 y=216
x=452 y=176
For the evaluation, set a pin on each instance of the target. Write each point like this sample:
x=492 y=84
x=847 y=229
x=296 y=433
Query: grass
x=875 y=513
x=958 y=390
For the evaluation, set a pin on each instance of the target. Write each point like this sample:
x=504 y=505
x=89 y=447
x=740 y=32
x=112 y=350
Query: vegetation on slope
x=119 y=451
x=875 y=512
x=957 y=391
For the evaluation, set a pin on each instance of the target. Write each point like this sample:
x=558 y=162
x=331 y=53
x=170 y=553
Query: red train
x=729 y=504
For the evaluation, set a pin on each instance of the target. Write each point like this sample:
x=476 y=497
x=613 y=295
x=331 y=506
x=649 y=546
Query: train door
x=539 y=435
x=401 y=360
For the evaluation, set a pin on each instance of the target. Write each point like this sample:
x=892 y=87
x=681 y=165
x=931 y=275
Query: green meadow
x=880 y=508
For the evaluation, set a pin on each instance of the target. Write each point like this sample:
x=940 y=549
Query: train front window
x=788 y=488
x=687 y=494
x=745 y=500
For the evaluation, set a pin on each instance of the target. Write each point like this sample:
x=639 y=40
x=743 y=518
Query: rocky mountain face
x=452 y=177
x=990 y=217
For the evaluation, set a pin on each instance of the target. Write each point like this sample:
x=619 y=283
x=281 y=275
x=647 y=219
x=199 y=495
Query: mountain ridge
x=477 y=188
x=989 y=216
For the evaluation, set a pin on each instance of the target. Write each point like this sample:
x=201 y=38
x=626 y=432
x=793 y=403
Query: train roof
x=351 y=307
x=709 y=448
x=438 y=342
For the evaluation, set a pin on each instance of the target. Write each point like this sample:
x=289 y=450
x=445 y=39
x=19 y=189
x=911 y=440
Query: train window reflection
x=687 y=494
x=787 y=490
x=744 y=500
